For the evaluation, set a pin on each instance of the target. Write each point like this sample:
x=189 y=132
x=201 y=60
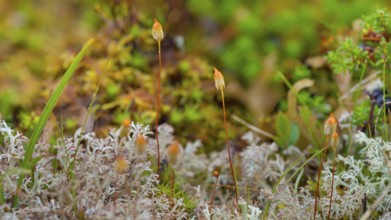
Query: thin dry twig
x=252 y=127
x=358 y=85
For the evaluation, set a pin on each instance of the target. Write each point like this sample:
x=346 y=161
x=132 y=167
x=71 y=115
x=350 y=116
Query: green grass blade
x=306 y=162
x=46 y=113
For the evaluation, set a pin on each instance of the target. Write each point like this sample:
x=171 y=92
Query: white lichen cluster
x=259 y=162
x=80 y=177
x=288 y=204
x=362 y=180
x=248 y=211
x=77 y=177
x=91 y=186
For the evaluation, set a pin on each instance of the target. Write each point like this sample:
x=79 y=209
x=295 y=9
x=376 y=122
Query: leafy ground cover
x=292 y=123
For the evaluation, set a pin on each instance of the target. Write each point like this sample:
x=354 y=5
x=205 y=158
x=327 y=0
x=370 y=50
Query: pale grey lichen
x=96 y=190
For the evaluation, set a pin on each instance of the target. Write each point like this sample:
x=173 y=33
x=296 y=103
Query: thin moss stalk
x=330 y=128
x=220 y=85
x=334 y=145
x=158 y=35
x=318 y=181
x=332 y=187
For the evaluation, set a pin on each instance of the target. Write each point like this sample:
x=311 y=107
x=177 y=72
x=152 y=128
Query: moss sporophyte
x=330 y=130
x=157 y=31
x=216 y=174
x=334 y=145
x=220 y=85
x=158 y=35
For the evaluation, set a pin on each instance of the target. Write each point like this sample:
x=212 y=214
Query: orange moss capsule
x=126 y=122
x=219 y=80
x=330 y=126
x=173 y=152
x=121 y=165
x=334 y=141
x=157 y=31
x=141 y=144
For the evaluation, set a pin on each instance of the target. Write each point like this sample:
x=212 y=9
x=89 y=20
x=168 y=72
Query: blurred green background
x=249 y=41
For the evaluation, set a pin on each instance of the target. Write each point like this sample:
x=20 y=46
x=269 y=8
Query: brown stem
x=229 y=151
x=229 y=186
x=371 y=126
x=158 y=109
x=332 y=187
x=213 y=194
x=318 y=182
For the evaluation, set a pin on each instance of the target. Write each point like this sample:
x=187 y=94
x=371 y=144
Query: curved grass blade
x=46 y=113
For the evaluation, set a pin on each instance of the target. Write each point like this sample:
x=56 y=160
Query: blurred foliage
x=124 y=61
x=245 y=35
x=348 y=57
x=376 y=22
x=354 y=55
x=31 y=42
x=294 y=30
x=364 y=57
x=248 y=40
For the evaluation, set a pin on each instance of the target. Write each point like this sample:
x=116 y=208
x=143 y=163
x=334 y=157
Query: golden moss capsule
x=157 y=31
x=141 y=144
x=219 y=80
x=126 y=122
x=173 y=152
x=330 y=126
